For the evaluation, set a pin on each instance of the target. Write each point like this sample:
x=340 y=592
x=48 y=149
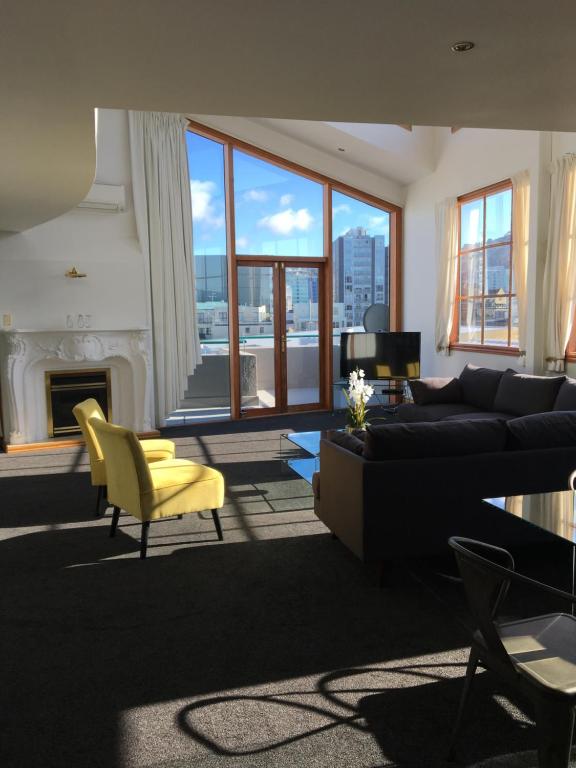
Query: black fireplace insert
x=64 y=389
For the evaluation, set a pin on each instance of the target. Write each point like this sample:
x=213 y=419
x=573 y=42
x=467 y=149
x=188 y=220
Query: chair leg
x=216 y=519
x=115 y=517
x=99 y=498
x=554 y=726
x=473 y=660
x=144 y=539
x=180 y=517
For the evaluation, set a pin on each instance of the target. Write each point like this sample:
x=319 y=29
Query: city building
x=360 y=272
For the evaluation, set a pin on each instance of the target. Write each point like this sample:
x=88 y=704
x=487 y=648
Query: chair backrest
x=83 y=412
x=128 y=475
x=486 y=571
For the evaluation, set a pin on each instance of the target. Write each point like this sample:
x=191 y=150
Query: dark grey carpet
x=273 y=648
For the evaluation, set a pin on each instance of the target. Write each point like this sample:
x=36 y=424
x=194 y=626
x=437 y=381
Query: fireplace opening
x=64 y=389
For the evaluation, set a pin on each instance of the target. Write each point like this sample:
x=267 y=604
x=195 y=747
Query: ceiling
x=389 y=150
x=362 y=61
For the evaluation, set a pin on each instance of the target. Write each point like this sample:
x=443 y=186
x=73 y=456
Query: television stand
x=383 y=388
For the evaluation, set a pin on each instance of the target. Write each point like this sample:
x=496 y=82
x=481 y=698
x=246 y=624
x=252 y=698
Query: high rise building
x=253 y=287
x=360 y=272
x=303 y=284
x=211 y=277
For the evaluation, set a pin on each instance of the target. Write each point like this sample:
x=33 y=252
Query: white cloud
x=286 y=199
x=201 y=192
x=256 y=196
x=344 y=208
x=376 y=221
x=241 y=242
x=285 y=222
x=202 y=207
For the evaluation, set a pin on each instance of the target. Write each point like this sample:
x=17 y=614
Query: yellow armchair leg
x=146 y=530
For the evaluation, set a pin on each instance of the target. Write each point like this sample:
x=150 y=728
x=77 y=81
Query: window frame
x=570 y=354
x=234 y=259
x=492 y=349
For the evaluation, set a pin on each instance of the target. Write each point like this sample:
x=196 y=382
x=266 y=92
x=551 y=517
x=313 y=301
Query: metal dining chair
x=536 y=656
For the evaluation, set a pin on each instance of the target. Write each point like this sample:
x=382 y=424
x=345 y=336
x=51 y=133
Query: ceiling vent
x=105 y=197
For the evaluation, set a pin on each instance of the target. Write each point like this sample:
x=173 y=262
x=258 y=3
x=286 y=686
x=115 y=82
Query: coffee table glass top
x=309 y=442
x=553 y=512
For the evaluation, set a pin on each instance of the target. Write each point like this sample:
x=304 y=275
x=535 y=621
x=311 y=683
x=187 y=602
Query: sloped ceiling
x=367 y=61
x=390 y=150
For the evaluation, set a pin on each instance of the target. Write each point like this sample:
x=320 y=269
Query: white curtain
x=520 y=240
x=560 y=273
x=163 y=208
x=447 y=270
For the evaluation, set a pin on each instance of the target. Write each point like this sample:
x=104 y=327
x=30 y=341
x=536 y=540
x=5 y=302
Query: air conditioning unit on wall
x=105 y=197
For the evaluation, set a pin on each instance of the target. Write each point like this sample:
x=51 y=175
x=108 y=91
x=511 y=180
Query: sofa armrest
x=340 y=501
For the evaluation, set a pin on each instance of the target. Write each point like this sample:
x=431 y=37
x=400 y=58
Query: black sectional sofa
x=403 y=488
x=485 y=393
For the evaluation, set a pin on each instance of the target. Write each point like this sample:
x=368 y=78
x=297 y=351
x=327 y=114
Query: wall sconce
x=74 y=273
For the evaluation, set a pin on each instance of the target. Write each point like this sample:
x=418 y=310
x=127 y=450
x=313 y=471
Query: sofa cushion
x=426 y=440
x=555 y=429
x=479 y=416
x=479 y=386
x=523 y=394
x=407 y=412
x=566 y=397
x=435 y=391
x=350 y=441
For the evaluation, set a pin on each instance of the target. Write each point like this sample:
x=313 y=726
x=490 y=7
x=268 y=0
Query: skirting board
x=66 y=442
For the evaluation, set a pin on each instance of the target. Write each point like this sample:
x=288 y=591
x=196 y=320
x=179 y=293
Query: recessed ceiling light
x=462 y=46
x=341 y=149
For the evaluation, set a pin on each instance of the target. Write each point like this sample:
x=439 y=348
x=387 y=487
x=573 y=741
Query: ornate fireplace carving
x=26 y=355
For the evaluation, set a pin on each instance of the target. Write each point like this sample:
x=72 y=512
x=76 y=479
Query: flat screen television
x=394 y=355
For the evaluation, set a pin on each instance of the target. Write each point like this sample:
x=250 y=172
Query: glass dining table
x=554 y=512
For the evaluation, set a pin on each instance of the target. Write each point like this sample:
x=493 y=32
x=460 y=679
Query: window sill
x=486 y=349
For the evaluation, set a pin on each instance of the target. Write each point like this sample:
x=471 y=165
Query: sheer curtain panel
x=447 y=271
x=163 y=208
x=560 y=273
x=520 y=240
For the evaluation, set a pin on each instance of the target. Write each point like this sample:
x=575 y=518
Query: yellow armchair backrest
x=84 y=411
x=127 y=472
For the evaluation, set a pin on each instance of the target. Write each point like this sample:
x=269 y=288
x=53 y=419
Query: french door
x=281 y=336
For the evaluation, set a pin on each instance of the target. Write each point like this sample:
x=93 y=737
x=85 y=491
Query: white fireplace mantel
x=26 y=354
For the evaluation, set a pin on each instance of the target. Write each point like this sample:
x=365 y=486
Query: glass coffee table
x=305 y=466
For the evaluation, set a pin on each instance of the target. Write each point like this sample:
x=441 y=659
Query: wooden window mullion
x=483 y=294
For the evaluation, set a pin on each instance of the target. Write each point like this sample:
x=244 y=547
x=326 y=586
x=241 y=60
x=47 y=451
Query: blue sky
x=277 y=212
x=348 y=212
x=498 y=219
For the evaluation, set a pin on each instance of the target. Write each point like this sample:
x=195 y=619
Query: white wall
x=33 y=287
x=468 y=160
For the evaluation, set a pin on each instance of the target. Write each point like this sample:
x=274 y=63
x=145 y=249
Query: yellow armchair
x=152 y=491
x=154 y=450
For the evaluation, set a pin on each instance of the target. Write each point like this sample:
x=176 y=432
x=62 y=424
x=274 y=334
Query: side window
x=486 y=309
